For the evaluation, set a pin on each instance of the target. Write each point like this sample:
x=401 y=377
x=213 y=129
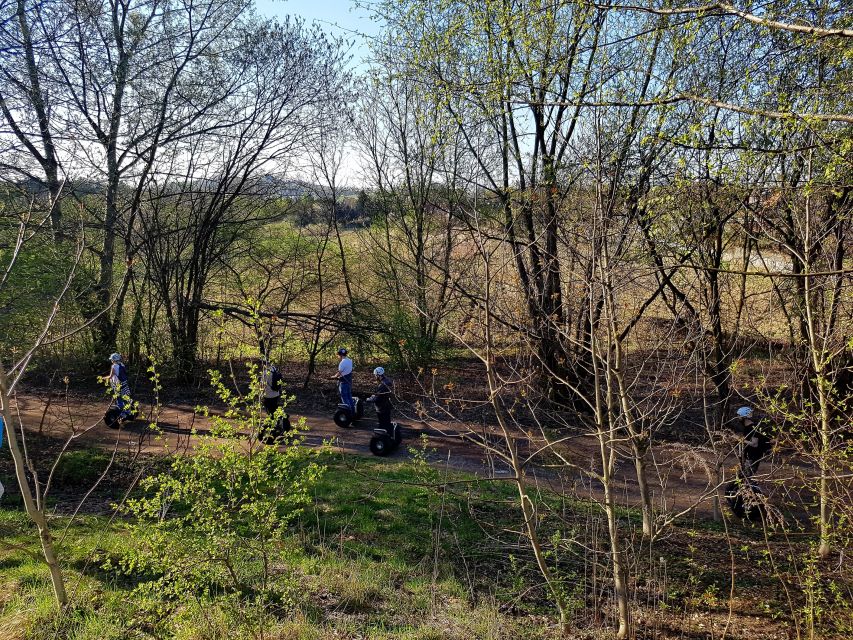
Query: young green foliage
x=216 y=521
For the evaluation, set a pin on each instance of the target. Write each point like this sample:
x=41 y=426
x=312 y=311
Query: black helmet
x=342 y=351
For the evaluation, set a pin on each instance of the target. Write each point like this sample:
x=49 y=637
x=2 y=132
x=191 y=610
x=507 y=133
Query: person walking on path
x=344 y=378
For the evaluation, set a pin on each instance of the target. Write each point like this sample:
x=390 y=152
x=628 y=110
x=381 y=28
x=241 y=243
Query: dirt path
x=676 y=484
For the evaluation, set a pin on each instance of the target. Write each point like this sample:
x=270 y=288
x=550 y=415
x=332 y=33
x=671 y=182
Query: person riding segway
x=350 y=409
x=117 y=378
x=277 y=424
x=388 y=435
x=757 y=443
x=743 y=494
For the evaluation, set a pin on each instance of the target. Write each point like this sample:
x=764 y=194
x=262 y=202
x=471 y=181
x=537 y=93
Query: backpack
x=122 y=373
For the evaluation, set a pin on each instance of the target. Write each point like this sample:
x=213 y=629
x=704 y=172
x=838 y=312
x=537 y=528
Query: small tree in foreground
x=215 y=520
x=48 y=296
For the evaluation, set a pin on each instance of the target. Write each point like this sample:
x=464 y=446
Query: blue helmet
x=116 y=357
x=342 y=352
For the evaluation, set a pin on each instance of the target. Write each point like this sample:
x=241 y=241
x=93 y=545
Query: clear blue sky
x=337 y=17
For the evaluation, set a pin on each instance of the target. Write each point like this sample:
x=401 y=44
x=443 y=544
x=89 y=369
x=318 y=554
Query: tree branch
x=711 y=102
x=720 y=9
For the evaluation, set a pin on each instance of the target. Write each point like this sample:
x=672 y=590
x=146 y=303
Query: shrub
x=214 y=523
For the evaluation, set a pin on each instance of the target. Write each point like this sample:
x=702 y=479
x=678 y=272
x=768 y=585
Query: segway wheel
x=381 y=446
x=112 y=418
x=742 y=505
x=271 y=434
x=343 y=418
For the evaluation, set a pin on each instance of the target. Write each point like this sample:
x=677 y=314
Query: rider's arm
x=750 y=434
x=384 y=391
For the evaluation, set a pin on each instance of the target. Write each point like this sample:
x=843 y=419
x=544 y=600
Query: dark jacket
x=383 y=394
x=762 y=431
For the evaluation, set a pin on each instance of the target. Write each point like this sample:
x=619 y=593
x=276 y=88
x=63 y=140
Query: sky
x=337 y=17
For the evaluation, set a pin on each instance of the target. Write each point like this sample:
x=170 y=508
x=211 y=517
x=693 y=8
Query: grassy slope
x=363 y=563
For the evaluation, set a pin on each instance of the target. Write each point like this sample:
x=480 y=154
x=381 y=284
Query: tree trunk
x=619 y=566
x=185 y=343
x=823 y=491
x=47 y=159
x=527 y=507
x=604 y=433
x=639 y=451
x=34 y=511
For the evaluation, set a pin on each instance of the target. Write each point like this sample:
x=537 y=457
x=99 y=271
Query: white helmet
x=116 y=357
x=379 y=371
x=745 y=412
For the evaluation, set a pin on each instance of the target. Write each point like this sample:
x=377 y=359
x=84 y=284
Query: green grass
x=80 y=468
x=364 y=561
x=323 y=590
x=361 y=563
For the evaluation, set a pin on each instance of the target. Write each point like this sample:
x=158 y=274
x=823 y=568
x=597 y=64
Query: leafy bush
x=405 y=340
x=215 y=523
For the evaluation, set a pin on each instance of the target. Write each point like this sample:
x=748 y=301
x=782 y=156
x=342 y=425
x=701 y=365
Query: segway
x=383 y=443
x=113 y=418
x=344 y=416
x=745 y=499
x=272 y=433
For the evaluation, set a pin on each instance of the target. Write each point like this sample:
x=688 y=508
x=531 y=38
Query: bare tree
x=413 y=156
x=506 y=88
x=25 y=100
x=127 y=75
x=215 y=187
